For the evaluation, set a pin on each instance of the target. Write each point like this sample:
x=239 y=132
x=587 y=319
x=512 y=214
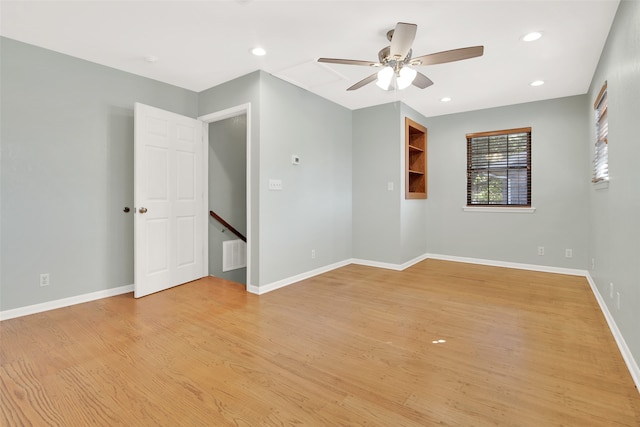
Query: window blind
x=601 y=155
x=499 y=168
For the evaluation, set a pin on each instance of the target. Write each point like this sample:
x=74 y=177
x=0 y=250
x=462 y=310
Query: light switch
x=275 y=184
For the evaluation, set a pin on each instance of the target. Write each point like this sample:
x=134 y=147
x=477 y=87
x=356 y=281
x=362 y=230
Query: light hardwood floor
x=352 y=347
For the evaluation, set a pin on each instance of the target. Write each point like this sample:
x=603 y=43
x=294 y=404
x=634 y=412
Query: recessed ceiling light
x=258 y=51
x=537 y=83
x=445 y=99
x=533 y=36
x=152 y=59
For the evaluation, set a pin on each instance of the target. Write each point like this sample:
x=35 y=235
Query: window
x=601 y=155
x=499 y=168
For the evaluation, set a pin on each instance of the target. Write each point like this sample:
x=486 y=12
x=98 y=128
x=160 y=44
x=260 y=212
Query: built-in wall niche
x=416 y=160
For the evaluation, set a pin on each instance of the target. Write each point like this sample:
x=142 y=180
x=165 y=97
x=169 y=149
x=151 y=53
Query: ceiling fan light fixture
x=406 y=77
x=397 y=61
x=384 y=78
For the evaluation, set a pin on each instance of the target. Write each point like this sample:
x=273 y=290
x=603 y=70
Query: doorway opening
x=229 y=195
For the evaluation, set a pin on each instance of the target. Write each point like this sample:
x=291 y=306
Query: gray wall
x=614 y=220
x=387 y=228
x=227 y=189
x=67 y=172
x=376 y=162
x=560 y=182
x=313 y=211
x=414 y=216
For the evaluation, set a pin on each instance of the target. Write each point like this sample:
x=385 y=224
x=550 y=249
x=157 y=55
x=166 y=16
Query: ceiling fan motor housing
x=384 y=57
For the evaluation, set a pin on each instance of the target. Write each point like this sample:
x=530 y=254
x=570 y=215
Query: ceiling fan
x=396 y=60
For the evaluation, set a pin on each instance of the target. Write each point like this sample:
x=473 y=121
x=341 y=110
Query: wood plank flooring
x=440 y=343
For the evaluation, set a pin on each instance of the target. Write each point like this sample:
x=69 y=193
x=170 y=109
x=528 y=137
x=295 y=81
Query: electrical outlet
x=593 y=263
x=611 y=290
x=390 y=186
x=568 y=253
x=618 y=300
x=313 y=254
x=44 y=279
x=540 y=250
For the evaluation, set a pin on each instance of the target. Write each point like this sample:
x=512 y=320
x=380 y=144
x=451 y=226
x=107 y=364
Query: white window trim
x=595 y=173
x=601 y=185
x=499 y=209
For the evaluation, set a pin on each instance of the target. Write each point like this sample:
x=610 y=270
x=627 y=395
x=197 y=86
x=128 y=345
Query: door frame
x=215 y=117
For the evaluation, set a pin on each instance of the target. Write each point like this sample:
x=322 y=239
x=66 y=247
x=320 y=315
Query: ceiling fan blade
x=422 y=81
x=349 y=62
x=402 y=39
x=448 y=56
x=363 y=82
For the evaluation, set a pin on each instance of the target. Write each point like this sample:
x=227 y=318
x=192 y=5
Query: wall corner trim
x=63 y=302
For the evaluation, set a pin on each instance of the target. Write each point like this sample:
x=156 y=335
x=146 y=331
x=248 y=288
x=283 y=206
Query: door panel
x=186 y=167
x=186 y=243
x=169 y=224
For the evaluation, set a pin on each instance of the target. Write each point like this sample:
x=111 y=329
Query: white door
x=169 y=199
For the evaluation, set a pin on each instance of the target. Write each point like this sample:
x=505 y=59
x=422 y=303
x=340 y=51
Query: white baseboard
x=632 y=365
x=493 y=263
x=506 y=264
x=377 y=264
x=259 y=290
x=64 y=302
x=389 y=266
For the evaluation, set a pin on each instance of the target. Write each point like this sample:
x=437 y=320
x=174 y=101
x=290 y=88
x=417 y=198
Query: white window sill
x=500 y=209
x=602 y=185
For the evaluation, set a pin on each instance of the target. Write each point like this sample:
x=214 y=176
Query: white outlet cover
x=611 y=290
x=44 y=279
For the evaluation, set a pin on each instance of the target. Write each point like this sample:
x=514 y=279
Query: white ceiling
x=200 y=44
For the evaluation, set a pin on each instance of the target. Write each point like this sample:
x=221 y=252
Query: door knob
x=142 y=210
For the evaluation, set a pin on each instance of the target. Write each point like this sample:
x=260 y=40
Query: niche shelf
x=416 y=160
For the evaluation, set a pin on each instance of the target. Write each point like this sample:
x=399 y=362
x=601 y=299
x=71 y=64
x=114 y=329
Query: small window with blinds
x=499 y=168
x=601 y=155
